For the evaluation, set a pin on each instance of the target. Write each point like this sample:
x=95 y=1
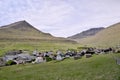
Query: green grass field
x=98 y=67
x=30 y=46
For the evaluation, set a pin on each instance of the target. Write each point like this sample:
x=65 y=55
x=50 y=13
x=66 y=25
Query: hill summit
x=19 y=24
x=21 y=29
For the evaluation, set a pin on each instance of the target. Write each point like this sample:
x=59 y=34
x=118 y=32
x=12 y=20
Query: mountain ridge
x=87 y=33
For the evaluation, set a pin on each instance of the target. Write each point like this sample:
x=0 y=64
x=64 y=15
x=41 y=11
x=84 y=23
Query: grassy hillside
x=98 y=67
x=107 y=37
x=22 y=35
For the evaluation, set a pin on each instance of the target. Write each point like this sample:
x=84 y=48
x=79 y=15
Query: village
x=17 y=57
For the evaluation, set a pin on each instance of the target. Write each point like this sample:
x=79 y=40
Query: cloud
x=48 y=13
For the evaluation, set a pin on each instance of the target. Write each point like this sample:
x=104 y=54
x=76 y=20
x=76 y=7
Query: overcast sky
x=61 y=18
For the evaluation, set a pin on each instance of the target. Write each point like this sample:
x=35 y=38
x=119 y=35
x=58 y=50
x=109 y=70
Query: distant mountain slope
x=84 y=34
x=22 y=30
x=107 y=37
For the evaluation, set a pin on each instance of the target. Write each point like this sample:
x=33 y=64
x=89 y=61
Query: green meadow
x=30 y=46
x=98 y=67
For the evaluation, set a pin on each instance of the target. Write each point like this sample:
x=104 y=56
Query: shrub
x=118 y=51
x=10 y=62
x=48 y=59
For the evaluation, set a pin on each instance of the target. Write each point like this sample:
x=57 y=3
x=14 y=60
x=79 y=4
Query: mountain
x=22 y=30
x=107 y=37
x=87 y=33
